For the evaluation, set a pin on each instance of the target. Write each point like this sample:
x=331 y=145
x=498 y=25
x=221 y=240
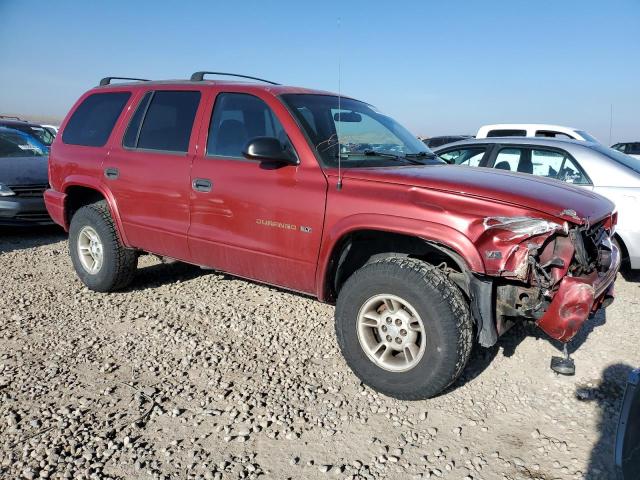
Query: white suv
x=533 y=130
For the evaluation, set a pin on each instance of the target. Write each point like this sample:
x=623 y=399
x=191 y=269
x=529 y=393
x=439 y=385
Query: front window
x=355 y=133
x=14 y=143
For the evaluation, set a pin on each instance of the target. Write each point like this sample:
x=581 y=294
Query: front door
x=148 y=173
x=256 y=220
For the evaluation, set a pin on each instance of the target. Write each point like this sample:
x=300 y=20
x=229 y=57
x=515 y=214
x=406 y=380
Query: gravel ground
x=194 y=374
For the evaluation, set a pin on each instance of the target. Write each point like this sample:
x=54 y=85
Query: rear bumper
x=576 y=299
x=54 y=202
x=23 y=211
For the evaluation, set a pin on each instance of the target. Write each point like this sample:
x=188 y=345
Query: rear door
x=148 y=171
x=253 y=219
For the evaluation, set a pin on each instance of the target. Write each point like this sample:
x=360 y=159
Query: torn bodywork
x=555 y=275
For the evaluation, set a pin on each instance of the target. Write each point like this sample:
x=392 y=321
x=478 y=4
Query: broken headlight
x=523 y=226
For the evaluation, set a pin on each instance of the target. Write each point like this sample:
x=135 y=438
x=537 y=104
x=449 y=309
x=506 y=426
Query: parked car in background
x=38 y=131
x=628 y=148
x=53 y=129
x=435 y=142
x=533 y=130
x=587 y=164
x=23 y=179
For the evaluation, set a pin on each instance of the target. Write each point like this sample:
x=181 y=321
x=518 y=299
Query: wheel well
x=78 y=197
x=358 y=248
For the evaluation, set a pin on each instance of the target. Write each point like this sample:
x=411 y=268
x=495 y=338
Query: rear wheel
x=404 y=328
x=100 y=259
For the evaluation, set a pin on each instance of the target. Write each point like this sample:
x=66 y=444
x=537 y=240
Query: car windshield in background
x=41 y=133
x=14 y=143
x=619 y=157
x=362 y=136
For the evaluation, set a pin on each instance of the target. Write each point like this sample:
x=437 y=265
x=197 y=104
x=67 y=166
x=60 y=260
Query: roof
x=543 y=141
x=274 y=89
x=537 y=126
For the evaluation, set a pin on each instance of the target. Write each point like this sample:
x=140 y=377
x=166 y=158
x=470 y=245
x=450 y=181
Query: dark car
x=630 y=148
x=42 y=134
x=435 y=142
x=23 y=179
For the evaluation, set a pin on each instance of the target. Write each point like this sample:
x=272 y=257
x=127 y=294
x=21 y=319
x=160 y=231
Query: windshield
x=14 y=143
x=40 y=133
x=363 y=136
x=619 y=157
x=587 y=137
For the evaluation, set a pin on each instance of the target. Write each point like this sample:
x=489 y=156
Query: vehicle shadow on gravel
x=21 y=238
x=154 y=276
x=482 y=357
x=608 y=395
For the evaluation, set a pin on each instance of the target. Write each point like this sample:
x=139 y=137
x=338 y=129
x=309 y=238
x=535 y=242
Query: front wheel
x=100 y=259
x=404 y=328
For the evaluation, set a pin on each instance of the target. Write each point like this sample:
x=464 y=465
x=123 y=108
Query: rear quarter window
x=92 y=122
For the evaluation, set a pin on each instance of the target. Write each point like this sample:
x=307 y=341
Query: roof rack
x=11 y=117
x=107 y=80
x=199 y=76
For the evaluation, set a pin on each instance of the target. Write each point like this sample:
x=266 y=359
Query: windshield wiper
x=373 y=153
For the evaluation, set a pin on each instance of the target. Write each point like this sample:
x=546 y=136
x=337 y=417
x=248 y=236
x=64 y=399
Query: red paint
x=156 y=210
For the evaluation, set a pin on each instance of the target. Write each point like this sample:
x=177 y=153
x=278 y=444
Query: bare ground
x=193 y=374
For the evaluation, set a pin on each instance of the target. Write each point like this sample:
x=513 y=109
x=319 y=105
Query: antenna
x=610 y=122
x=339 y=184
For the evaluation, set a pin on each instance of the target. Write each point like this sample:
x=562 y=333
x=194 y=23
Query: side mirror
x=268 y=149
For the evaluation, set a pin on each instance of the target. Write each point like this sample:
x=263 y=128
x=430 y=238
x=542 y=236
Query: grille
x=29 y=190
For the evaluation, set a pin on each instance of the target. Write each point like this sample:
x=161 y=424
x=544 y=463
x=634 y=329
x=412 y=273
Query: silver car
x=589 y=165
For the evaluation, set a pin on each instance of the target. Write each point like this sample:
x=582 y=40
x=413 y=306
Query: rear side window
x=507 y=133
x=131 y=136
x=92 y=122
x=163 y=121
x=558 y=165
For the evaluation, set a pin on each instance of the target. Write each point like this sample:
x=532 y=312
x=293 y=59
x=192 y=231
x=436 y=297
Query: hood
x=24 y=170
x=552 y=197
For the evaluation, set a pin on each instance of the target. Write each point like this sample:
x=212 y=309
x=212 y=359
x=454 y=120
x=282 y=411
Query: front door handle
x=201 y=184
x=111 y=173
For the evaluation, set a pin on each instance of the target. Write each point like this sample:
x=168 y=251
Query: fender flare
x=91 y=182
x=430 y=231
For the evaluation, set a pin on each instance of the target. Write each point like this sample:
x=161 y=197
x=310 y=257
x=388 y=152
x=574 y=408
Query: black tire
x=444 y=313
x=119 y=263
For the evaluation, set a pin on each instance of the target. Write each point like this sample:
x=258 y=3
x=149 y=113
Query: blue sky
x=442 y=67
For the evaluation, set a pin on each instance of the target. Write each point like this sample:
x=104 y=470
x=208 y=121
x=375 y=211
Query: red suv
x=325 y=195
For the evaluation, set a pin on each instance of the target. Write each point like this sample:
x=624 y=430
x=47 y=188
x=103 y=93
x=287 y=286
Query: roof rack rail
x=199 y=76
x=11 y=116
x=107 y=80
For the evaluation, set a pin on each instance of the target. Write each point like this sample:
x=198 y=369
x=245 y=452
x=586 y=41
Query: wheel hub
x=391 y=333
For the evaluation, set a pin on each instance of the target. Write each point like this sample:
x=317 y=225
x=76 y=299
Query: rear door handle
x=111 y=173
x=201 y=185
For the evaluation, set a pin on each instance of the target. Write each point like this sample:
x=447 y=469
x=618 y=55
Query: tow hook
x=563 y=365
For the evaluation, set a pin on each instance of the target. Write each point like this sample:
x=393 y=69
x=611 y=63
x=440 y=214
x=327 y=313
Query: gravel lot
x=193 y=374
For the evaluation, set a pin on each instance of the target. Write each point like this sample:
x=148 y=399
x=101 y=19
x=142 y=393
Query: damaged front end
x=550 y=273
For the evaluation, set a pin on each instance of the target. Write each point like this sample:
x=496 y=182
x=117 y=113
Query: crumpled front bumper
x=576 y=298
